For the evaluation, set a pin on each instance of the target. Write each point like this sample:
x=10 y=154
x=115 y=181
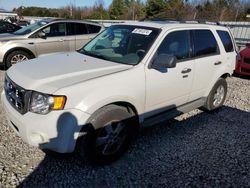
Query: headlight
x=43 y=103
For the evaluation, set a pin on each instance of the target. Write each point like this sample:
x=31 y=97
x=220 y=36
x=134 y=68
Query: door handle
x=61 y=40
x=217 y=63
x=186 y=70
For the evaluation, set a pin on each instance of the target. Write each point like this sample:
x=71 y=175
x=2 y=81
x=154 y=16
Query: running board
x=171 y=113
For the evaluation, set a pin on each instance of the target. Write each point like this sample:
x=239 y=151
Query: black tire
x=219 y=89
x=110 y=147
x=9 y=58
x=57 y=155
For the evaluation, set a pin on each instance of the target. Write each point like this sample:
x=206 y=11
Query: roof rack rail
x=158 y=20
x=199 y=21
x=191 y=21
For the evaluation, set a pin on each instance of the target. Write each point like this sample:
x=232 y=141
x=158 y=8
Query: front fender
x=125 y=86
x=11 y=46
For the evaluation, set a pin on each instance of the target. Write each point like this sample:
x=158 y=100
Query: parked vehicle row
x=94 y=100
x=7 y=27
x=44 y=37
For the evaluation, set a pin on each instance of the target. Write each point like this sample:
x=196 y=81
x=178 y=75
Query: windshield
x=122 y=44
x=30 y=28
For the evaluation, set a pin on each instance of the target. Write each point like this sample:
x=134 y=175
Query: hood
x=50 y=73
x=9 y=36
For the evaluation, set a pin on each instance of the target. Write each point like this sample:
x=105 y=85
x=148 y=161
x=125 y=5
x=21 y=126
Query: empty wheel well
x=129 y=107
x=19 y=49
x=225 y=75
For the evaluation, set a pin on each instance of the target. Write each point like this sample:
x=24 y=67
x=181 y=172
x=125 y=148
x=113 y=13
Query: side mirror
x=164 y=61
x=248 y=45
x=42 y=35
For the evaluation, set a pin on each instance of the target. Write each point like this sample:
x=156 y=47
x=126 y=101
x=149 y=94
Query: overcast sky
x=10 y=4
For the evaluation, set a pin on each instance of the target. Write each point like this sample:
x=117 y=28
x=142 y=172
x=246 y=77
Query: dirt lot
x=195 y=149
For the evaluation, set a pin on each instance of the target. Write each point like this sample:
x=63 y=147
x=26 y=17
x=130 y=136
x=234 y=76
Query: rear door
x=71 y=36
x=229 y=48
x=207 y=61
x=55 y=40
x=84 y=33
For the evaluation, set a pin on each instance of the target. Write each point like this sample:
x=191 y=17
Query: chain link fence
x=240 y=31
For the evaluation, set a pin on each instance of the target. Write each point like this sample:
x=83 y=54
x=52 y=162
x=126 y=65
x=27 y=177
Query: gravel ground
x=195 y=150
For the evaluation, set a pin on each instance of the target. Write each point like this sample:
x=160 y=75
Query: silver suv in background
x=44 y=37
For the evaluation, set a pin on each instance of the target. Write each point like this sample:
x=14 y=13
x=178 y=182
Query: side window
x=177 y=44
x=204 y=43
x=93 y=28
x=80 y=29
x=10 y=27
x=70 y=28
x=55 y=30
x=226 y=40
x=2 y=27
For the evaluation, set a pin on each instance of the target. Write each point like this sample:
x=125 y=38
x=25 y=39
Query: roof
x=69 y=20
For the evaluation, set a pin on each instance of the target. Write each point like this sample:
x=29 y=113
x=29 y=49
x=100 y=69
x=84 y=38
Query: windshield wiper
x=92 y=54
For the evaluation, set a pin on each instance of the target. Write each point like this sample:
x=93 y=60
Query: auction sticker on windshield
x=142 y=31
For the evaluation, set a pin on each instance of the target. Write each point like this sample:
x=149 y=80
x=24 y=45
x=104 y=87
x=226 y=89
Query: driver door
x=55 y=40
x=169 y=88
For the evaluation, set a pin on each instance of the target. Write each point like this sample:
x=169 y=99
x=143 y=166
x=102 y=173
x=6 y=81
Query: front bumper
x=242 y=68
x=56 y=131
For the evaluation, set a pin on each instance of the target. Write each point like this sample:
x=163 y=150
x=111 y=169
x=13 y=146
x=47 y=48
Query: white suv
x=95 y=99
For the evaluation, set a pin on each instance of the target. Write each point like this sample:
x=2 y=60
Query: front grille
x=16 y=95
x=245 y=70
x=247 y=60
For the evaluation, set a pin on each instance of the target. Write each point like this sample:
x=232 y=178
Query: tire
x=106 y=144
x=217 y=96
x=17 y=56
x=57 y=155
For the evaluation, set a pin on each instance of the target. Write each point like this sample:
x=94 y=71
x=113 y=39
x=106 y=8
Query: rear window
x=226 y=40
x=80 y=29
x=204 y=43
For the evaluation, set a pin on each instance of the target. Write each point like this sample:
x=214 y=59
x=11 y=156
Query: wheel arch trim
x=18 y=49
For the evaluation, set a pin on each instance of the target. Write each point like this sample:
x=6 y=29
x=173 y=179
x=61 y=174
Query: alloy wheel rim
x=218 y=96
x=18 y=58
x=111 y=138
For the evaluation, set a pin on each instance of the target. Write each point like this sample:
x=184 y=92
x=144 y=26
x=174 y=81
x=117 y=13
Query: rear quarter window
x=93 y=28
x=80 y=29
x=204 y=43
x=226 y=40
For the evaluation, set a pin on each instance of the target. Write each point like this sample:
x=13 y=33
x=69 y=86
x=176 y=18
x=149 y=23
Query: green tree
x=154 y=8
x=117 y=9
x=99 y=12
x=135 y=10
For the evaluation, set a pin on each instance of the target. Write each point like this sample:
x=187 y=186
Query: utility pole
x=133 y=9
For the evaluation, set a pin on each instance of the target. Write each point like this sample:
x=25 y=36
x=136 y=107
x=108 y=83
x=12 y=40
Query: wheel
x=57 y=155
x=217 y=95
x=117 y=128
x=16 y=57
